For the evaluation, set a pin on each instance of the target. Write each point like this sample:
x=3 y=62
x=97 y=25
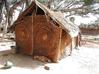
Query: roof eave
x=68 y=26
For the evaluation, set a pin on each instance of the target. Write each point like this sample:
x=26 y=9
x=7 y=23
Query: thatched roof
x=58 y=16
x=87 y=16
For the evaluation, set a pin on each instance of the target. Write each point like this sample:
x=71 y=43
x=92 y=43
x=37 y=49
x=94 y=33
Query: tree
x=74 y=6
x=88 y=2
x=9 y=7
x=7 y=10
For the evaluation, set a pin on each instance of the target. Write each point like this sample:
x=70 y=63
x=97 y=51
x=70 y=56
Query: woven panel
x=46 y=39
x=24 y=36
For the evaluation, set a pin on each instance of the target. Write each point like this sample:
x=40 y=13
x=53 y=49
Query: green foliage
x=43 y=1
x=97 y=0
x=14 y=1
x=88 y=2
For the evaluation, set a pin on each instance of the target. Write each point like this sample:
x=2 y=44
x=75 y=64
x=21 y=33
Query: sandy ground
x=85 y=60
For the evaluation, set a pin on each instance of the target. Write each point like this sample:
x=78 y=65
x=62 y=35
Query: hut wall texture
x=38 y=35
x=24 y=37
x=46 y=38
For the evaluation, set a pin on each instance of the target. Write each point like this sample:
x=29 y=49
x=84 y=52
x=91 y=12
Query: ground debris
x=7 y=65
x=42 y=59
x=46 y=68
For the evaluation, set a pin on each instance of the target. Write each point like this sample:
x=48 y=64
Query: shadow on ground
x=22 y=61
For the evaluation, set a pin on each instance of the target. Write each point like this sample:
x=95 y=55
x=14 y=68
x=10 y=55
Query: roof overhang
x=57 y=16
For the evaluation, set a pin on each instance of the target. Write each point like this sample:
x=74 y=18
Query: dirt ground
x=84 y=60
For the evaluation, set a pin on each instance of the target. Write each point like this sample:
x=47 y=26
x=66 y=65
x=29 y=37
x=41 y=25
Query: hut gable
x=57 y=16
x=27 y=12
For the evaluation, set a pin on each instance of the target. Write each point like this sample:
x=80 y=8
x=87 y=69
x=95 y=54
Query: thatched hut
x=42 y=32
